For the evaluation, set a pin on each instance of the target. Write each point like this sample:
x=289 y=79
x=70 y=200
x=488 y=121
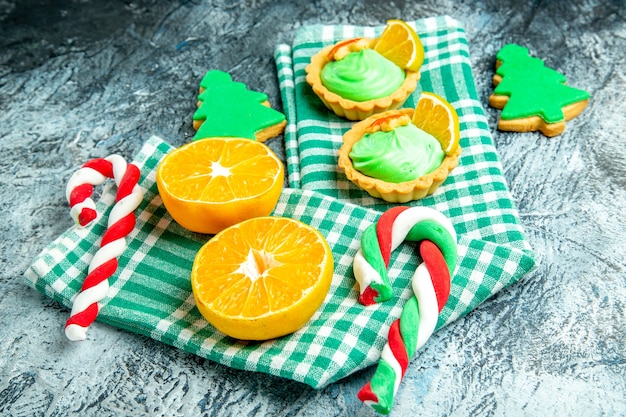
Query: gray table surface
x=83 y=79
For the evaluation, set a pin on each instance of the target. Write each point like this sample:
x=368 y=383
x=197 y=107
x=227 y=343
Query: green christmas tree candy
x=228 y=109
x=531 y=95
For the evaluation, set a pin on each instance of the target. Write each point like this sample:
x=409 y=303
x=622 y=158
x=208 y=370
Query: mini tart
x=392 y=192
x=356 y=110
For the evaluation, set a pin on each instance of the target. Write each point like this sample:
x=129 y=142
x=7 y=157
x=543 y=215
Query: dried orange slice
x=262 y=278
x=210 y=184
x=434 y=115
x=400 y=44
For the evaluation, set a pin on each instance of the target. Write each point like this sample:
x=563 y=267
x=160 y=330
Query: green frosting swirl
x=403 y=154
x=362 y=76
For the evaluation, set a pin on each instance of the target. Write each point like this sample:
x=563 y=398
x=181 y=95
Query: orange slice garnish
x=434 y=115
x=390 y=122
x=339 y=45
x=400 y=44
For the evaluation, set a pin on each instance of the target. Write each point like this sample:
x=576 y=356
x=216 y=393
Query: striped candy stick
x=121 y=222
x=431 y=287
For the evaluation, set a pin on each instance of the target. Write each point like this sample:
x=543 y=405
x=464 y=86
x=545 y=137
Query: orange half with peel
x=213 y=183
x=262 y=278
x=400 y=44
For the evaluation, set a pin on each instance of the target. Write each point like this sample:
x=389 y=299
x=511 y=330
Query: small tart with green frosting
x=355 y=81
x=392 y=159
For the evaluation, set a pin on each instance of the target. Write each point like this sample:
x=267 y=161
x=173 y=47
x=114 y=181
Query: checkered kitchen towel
x=151 y=293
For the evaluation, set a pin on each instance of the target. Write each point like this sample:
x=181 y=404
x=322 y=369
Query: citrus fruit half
x=400 y=44
x=210 y=184
x=262 y=278
x=434 y=115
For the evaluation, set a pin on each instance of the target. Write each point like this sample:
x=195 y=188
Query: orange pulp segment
x=262 y=278
x=210 y=184
x=400 y=44
x=434 y=115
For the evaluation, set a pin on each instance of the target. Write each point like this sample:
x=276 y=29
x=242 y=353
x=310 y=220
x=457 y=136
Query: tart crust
x=401 y=192
x=356 y=110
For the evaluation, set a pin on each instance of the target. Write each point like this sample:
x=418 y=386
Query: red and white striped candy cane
x=431 y=288
x=121 y=222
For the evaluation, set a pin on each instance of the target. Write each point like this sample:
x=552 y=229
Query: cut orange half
x=210 y=184
x=400 y=44
x=434 y=115
x=262 y=278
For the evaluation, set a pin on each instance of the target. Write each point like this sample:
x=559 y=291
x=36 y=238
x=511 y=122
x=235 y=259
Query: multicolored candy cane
x=430 y=283
x=121 y=222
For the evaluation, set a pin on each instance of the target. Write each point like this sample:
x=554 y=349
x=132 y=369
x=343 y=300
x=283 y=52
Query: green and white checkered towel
x=151 y=293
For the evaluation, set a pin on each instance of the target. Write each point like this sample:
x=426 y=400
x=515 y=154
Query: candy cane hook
x=121 y=222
